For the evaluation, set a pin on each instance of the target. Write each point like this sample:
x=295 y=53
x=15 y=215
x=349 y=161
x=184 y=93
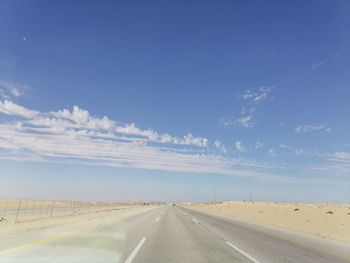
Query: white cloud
x=299 y=151
x=259 y=145
x=245 y=121
x=81 y=119
x=342 y=155
x=8 y=89
x=77 y=137
x=239 y=146
x=272 y=152
x=246 y=118
x=337 y=163
x=219 y=146
x=226 y=122
x=9 y=108
x=260 y=95
x=16 y=91
x=315 y=66
x=312 y=128
x=191 y=140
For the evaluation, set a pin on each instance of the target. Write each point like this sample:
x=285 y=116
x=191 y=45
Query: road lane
x=179 y=238
x=99 y=239
x=163 y=234
x=271 y=245
x=138 y=227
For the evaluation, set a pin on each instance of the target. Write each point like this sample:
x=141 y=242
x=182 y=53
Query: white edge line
x=137 y=248
x=243 y=253
x=194 y=220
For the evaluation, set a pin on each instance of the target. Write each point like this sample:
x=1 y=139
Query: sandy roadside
x=328 y=221
x=11 y=228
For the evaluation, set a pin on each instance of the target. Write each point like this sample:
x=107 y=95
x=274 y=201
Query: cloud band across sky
x=75 y=136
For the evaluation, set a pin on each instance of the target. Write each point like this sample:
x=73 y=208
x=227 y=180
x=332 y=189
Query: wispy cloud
x=259 y=145
x=77 y=137
x=284 y=146
x=337 y=163
x=299 y=151
x=312 y=128
x=256 y=96
x=225 y=121
x=272 y=152
x=324 y=61
x=247 y=115
x=318 y=64
x=239 y=146
x=245 y=121
x=247 y=118
x=219 y=146
x=10 y=89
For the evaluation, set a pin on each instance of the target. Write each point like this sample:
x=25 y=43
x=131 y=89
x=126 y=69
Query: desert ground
x=328 y=221
x=151 y=232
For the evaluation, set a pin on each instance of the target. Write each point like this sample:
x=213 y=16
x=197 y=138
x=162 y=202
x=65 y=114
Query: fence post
x=33 y=209
x=19 y=207
x=5 y=208
x=47 y=207
x=41 y=206
x=73 y=207
x=25 y=207
x=53 y=202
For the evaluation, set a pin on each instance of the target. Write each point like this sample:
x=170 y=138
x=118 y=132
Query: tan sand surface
x=12 y=228
x=328 y=221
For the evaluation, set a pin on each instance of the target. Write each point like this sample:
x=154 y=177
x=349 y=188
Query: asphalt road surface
x=167 y=234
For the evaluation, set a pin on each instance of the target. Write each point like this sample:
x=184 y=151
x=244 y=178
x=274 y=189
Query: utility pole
x=214 y=195
x=250 y=190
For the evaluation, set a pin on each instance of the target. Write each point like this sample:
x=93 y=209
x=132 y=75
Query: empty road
x=167 y=234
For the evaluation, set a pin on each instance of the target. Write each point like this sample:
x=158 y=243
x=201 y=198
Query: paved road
x=176 y=234
x=166 y=234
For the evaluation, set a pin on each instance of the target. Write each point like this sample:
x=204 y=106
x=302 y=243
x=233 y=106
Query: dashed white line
x=157 y=219
x=137 y=248
x=194 y=220
x=243 y=253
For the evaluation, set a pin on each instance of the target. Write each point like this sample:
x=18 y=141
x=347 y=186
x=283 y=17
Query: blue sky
x=175 y=100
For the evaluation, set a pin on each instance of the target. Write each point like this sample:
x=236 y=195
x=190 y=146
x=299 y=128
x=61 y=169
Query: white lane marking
x=243 y=253
x=194 y=220
x=157 y=219
x=137 y=248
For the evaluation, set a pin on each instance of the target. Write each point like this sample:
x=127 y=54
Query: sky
x=175 y=100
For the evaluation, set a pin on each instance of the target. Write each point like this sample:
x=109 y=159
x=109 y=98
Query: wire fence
x=27 y=210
